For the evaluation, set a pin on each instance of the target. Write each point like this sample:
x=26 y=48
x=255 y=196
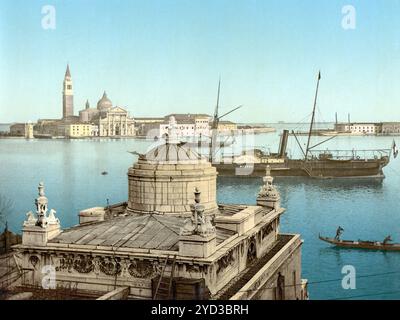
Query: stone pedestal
x=197 y=246
x=39 y=236
x=269 y=201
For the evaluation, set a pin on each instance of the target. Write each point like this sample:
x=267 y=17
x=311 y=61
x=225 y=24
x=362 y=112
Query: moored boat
x=321 y=164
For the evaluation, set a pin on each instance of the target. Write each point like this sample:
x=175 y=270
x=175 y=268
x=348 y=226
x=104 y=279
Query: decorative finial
x=87 y=104
x=41 y=219
x=198 y=224
x=268 y=196
x=197 y=194
x=41 y=189
x=41 y=206
x=268 y=171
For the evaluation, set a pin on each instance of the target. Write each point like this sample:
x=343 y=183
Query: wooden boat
x=370 y=245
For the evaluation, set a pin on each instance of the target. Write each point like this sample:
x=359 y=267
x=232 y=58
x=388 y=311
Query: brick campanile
x=68 y=95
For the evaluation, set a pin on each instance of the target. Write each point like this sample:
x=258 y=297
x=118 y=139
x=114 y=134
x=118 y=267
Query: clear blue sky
x=161 y=56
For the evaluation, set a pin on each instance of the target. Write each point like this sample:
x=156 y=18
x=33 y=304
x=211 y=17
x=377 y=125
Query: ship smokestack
x=283 y=143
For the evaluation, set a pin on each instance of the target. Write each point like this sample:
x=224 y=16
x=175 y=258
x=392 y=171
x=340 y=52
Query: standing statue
x=198 y=223
x=268 y=196
x=42 y=219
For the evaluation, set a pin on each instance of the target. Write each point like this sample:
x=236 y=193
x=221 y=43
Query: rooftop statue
x=268 y=194
x=198 y=223
x=42 y=219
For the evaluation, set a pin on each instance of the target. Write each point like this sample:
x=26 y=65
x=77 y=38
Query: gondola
x=360 y=244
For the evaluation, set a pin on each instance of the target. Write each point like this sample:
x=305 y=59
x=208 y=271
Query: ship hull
x=323 y=169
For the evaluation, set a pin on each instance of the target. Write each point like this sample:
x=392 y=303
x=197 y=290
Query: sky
x=155 y=57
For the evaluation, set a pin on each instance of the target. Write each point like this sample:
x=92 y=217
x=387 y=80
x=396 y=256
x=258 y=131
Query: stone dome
x=173 y=153
x=104 y=103
x=163 y=180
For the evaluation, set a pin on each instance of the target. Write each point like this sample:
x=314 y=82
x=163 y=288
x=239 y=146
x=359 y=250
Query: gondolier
x=395 y=150
x=339 y=232
x=387 y=239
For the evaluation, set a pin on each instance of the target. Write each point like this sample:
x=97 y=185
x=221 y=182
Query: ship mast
x=214 y=128
x=313 y=116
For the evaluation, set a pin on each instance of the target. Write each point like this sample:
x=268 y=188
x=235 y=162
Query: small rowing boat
x=360 y=244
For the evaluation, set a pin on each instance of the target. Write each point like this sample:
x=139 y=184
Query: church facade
x=111 y=121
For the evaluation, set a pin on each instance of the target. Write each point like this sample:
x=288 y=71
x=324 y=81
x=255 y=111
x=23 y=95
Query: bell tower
x=68 y=95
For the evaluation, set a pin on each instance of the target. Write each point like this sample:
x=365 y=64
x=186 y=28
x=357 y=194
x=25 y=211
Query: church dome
x=104 y=103
x=163 y=180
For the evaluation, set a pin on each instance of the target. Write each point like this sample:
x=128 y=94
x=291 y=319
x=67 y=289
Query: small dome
x=104 y=103
x=173 y=153
x=162 y=181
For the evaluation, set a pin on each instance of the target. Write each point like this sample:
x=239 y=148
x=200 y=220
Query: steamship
x=314 y=164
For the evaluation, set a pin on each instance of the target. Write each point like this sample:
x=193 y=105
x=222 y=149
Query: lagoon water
x=71 y=171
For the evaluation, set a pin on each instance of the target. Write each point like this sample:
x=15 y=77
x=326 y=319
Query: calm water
x=72 y=170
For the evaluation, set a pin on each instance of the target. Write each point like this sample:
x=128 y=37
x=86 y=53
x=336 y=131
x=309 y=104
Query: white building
x=188 y=125
x=359 y=128
x=108 y=121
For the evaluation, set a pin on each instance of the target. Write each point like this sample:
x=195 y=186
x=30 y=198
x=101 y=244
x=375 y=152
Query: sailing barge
x=371 y=245
x=315 y=163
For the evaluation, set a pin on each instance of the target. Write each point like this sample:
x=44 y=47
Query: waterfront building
x=79 y=130
x=188 y=125
x=49 y=128
x=22 y=130
x=227 y=126
x=148 y=127
x=359 y=128
x=169 y=240
x=391 y=128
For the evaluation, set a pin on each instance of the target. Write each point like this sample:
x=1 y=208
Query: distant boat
x=360 y=244
x=104 y=173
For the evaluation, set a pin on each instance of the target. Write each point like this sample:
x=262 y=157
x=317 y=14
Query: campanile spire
x=68 y=95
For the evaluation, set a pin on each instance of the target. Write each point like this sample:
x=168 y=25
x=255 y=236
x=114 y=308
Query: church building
x=110 y=121
x=104 y=121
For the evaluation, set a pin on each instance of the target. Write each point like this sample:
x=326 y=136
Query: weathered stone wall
x=267 y=237
x=291 y=272
x=87 y=272
x=264 y=284
x=168 y=188
x=98 y=274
